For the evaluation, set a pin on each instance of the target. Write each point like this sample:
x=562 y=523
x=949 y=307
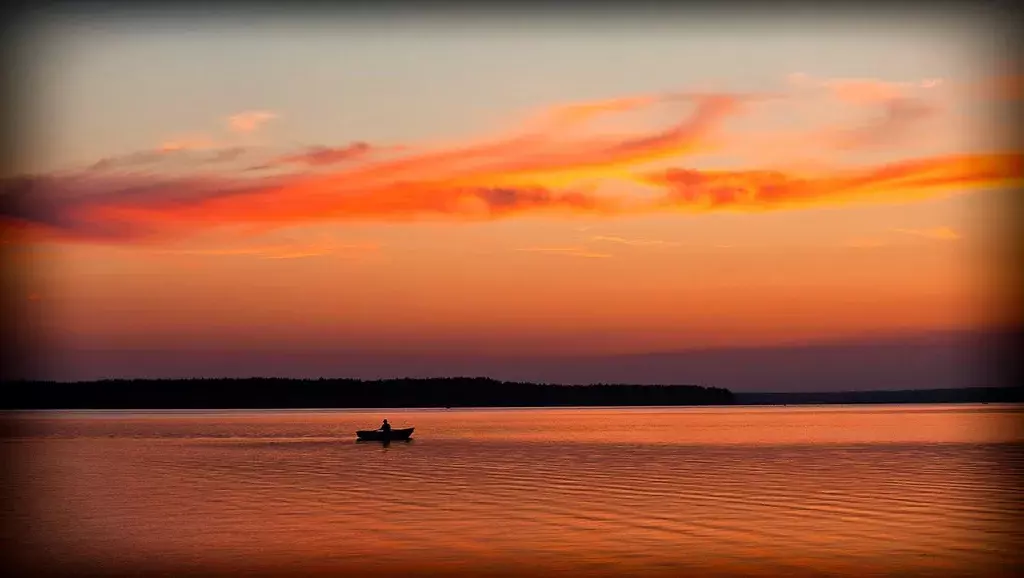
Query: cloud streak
x=281 y=251
x=863 y=91
x=186 y=143
x=903 y=181
x=567 y=252
x=324 y=156
x=935 y=233
x=544 y=169
x=632 y=242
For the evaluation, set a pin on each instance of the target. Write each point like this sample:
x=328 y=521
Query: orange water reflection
x=646 y=491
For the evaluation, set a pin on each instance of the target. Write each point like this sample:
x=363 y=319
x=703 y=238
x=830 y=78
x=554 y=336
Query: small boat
x=378 y=435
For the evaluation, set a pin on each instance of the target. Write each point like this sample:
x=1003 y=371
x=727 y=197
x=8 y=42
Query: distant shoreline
x=434 y=393
x=882 y=397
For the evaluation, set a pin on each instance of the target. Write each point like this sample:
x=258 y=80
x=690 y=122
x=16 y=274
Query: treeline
x=265 y=393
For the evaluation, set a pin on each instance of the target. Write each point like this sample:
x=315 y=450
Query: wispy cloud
x=134 y=159
x=632 y=242
x=863 y=90
x=543 y=169
x=567 y=251
x=282 y=251
x=935 y=233
x=169 y=152
x=323 y=156
x=903 y=181
x=188 y=142
x=249 y=121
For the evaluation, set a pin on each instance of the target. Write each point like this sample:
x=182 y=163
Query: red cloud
x=896 y=182
x=544 y=170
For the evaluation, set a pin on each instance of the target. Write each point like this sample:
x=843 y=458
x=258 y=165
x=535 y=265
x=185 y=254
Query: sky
x=513 y=195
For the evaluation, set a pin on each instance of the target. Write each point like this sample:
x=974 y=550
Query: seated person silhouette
x=385 y=427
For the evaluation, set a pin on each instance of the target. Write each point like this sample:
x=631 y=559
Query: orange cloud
x=289 y=202
x=936 y=233
x=542 y=170
x=896 y=182
x=633 y=242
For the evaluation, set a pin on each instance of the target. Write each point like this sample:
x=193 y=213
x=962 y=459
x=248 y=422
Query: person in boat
x=385 y=427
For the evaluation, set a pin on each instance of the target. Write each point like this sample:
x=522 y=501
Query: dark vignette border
x=21 y=352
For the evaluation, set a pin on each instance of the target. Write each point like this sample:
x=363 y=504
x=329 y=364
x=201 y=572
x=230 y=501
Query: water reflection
x=386 y=443
x=638 y=492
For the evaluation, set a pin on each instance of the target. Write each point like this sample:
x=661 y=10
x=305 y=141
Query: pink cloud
x=863 y=90
x=249 y=121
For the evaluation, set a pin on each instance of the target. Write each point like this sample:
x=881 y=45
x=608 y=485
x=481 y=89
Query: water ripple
x=292 y=491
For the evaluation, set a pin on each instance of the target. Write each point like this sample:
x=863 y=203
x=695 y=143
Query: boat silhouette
x=380 y=435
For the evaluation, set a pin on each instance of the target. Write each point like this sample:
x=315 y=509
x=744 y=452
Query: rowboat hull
x=377 y=435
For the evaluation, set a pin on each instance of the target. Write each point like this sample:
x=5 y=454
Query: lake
x=701 y=491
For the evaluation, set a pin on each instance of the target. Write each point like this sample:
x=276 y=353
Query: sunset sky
x=484 y=193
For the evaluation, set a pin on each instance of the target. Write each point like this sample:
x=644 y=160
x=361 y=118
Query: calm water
x=892 y=490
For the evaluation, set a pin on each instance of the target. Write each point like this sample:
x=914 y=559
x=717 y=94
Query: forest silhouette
x=263 y=393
